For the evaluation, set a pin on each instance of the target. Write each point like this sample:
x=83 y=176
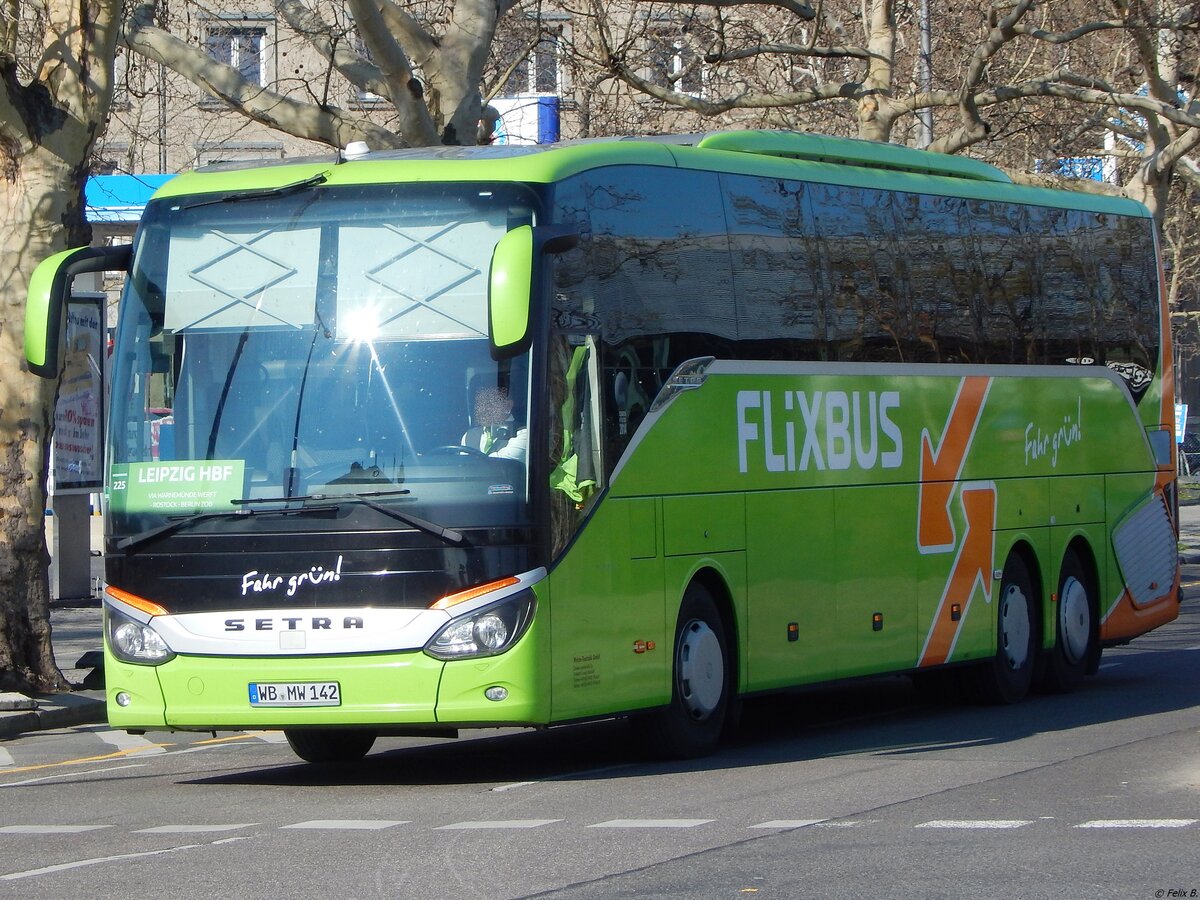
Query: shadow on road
x=884 y=717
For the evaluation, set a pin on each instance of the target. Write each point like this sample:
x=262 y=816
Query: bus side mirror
x=511 y=283
x=510 y=289
x=49 y=290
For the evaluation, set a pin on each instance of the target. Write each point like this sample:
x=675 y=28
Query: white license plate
x=295 y=693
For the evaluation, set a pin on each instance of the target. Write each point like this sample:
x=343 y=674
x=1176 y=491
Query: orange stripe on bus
x=972 y=567
x=940 y=470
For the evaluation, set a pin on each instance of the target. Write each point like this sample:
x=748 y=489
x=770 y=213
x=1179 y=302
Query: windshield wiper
x=133 y=541
x=283 y=190
x=129 y=542
x=450 y=535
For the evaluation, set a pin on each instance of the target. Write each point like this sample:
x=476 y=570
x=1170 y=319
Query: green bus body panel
x=704 y=523
x=524 y=671
x=546 y=165
x=830 y=550
x=607 y=593
x=146 y=708
x=401 y=688
x=851 y=151
x=1032 y=425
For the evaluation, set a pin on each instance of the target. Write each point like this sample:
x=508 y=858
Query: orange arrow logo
x=941 y=469
x=940 y=474
x=972 y=567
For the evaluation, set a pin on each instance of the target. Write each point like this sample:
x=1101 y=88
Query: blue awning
x=120 y=198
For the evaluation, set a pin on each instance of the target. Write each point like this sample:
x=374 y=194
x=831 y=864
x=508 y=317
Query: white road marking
x=499 y=823
x=5 y=757
x=976 y=823
x=349 y=824
x=508 y=787
x=1137 y=823
x=192 y=829
x=652 y=823
x=62 y=867
x=788 y=823
x=9 y=784
x=50 y=829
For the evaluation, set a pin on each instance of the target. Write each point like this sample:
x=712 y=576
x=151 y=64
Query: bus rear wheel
x=1076 y=630
x=1006 y=678
x=338 y=745
x=700 y=683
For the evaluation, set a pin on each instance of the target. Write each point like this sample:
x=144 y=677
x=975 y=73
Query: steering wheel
x=456 y=449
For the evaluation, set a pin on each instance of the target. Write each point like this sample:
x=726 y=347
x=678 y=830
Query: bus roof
x=781 y=154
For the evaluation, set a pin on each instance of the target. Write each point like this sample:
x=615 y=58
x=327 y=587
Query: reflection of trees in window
x=781 y=301
x=793 y=270
x=651 y=280
x=859 y=251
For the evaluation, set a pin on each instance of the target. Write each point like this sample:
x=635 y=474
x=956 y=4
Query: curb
x=62 y=710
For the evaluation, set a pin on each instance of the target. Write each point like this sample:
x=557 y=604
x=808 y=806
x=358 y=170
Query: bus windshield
x=279 y=350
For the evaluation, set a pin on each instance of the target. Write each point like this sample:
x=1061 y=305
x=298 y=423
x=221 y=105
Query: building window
x=673 y=64
x=538 y=72
x=240 y=46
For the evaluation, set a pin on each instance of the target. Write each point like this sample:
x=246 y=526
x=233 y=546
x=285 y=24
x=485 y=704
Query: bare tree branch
x=831 y=52
x=330 y=125
x=319 y=33
x=402 y=88
x=802 y=10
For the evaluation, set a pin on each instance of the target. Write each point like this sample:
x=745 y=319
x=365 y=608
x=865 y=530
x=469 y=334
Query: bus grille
x=1145 y=547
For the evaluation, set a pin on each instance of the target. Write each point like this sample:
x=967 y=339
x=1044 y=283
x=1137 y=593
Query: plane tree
x=55 y=89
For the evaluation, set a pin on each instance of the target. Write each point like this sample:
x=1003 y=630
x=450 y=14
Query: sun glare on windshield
x=360 y=325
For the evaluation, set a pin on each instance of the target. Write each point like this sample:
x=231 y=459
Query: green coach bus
x=450 y=438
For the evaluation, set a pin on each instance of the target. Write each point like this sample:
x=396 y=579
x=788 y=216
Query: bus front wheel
x=316 y=745
x=1007 y=676
x=1076 y=630
x=700 y=682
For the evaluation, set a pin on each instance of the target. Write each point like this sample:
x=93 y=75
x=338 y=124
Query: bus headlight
x=131 y=641
x=485 y=632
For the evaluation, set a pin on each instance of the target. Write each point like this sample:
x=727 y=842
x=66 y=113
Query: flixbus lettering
x=838 y=430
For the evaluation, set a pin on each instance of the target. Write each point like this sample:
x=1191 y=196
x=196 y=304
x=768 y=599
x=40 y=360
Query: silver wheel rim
x=1074 y=620
x=701 y=670
x=1014 y=627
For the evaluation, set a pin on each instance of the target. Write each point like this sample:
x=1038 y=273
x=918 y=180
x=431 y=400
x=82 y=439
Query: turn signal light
x=140 y=603
x=471 y=593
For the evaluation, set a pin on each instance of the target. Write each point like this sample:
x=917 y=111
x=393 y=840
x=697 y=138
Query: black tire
x=317 y=745
x=701 y=683
x=1007 y=677
x=1076 y=629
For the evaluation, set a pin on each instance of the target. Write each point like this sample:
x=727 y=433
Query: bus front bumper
x=408 y=688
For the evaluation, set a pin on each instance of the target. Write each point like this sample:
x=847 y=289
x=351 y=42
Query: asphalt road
x=863 y=791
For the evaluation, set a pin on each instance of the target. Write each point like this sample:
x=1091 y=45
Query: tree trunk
x=40 y=205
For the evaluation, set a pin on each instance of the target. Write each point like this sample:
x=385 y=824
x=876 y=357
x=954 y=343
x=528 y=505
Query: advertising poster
x=77 y=445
